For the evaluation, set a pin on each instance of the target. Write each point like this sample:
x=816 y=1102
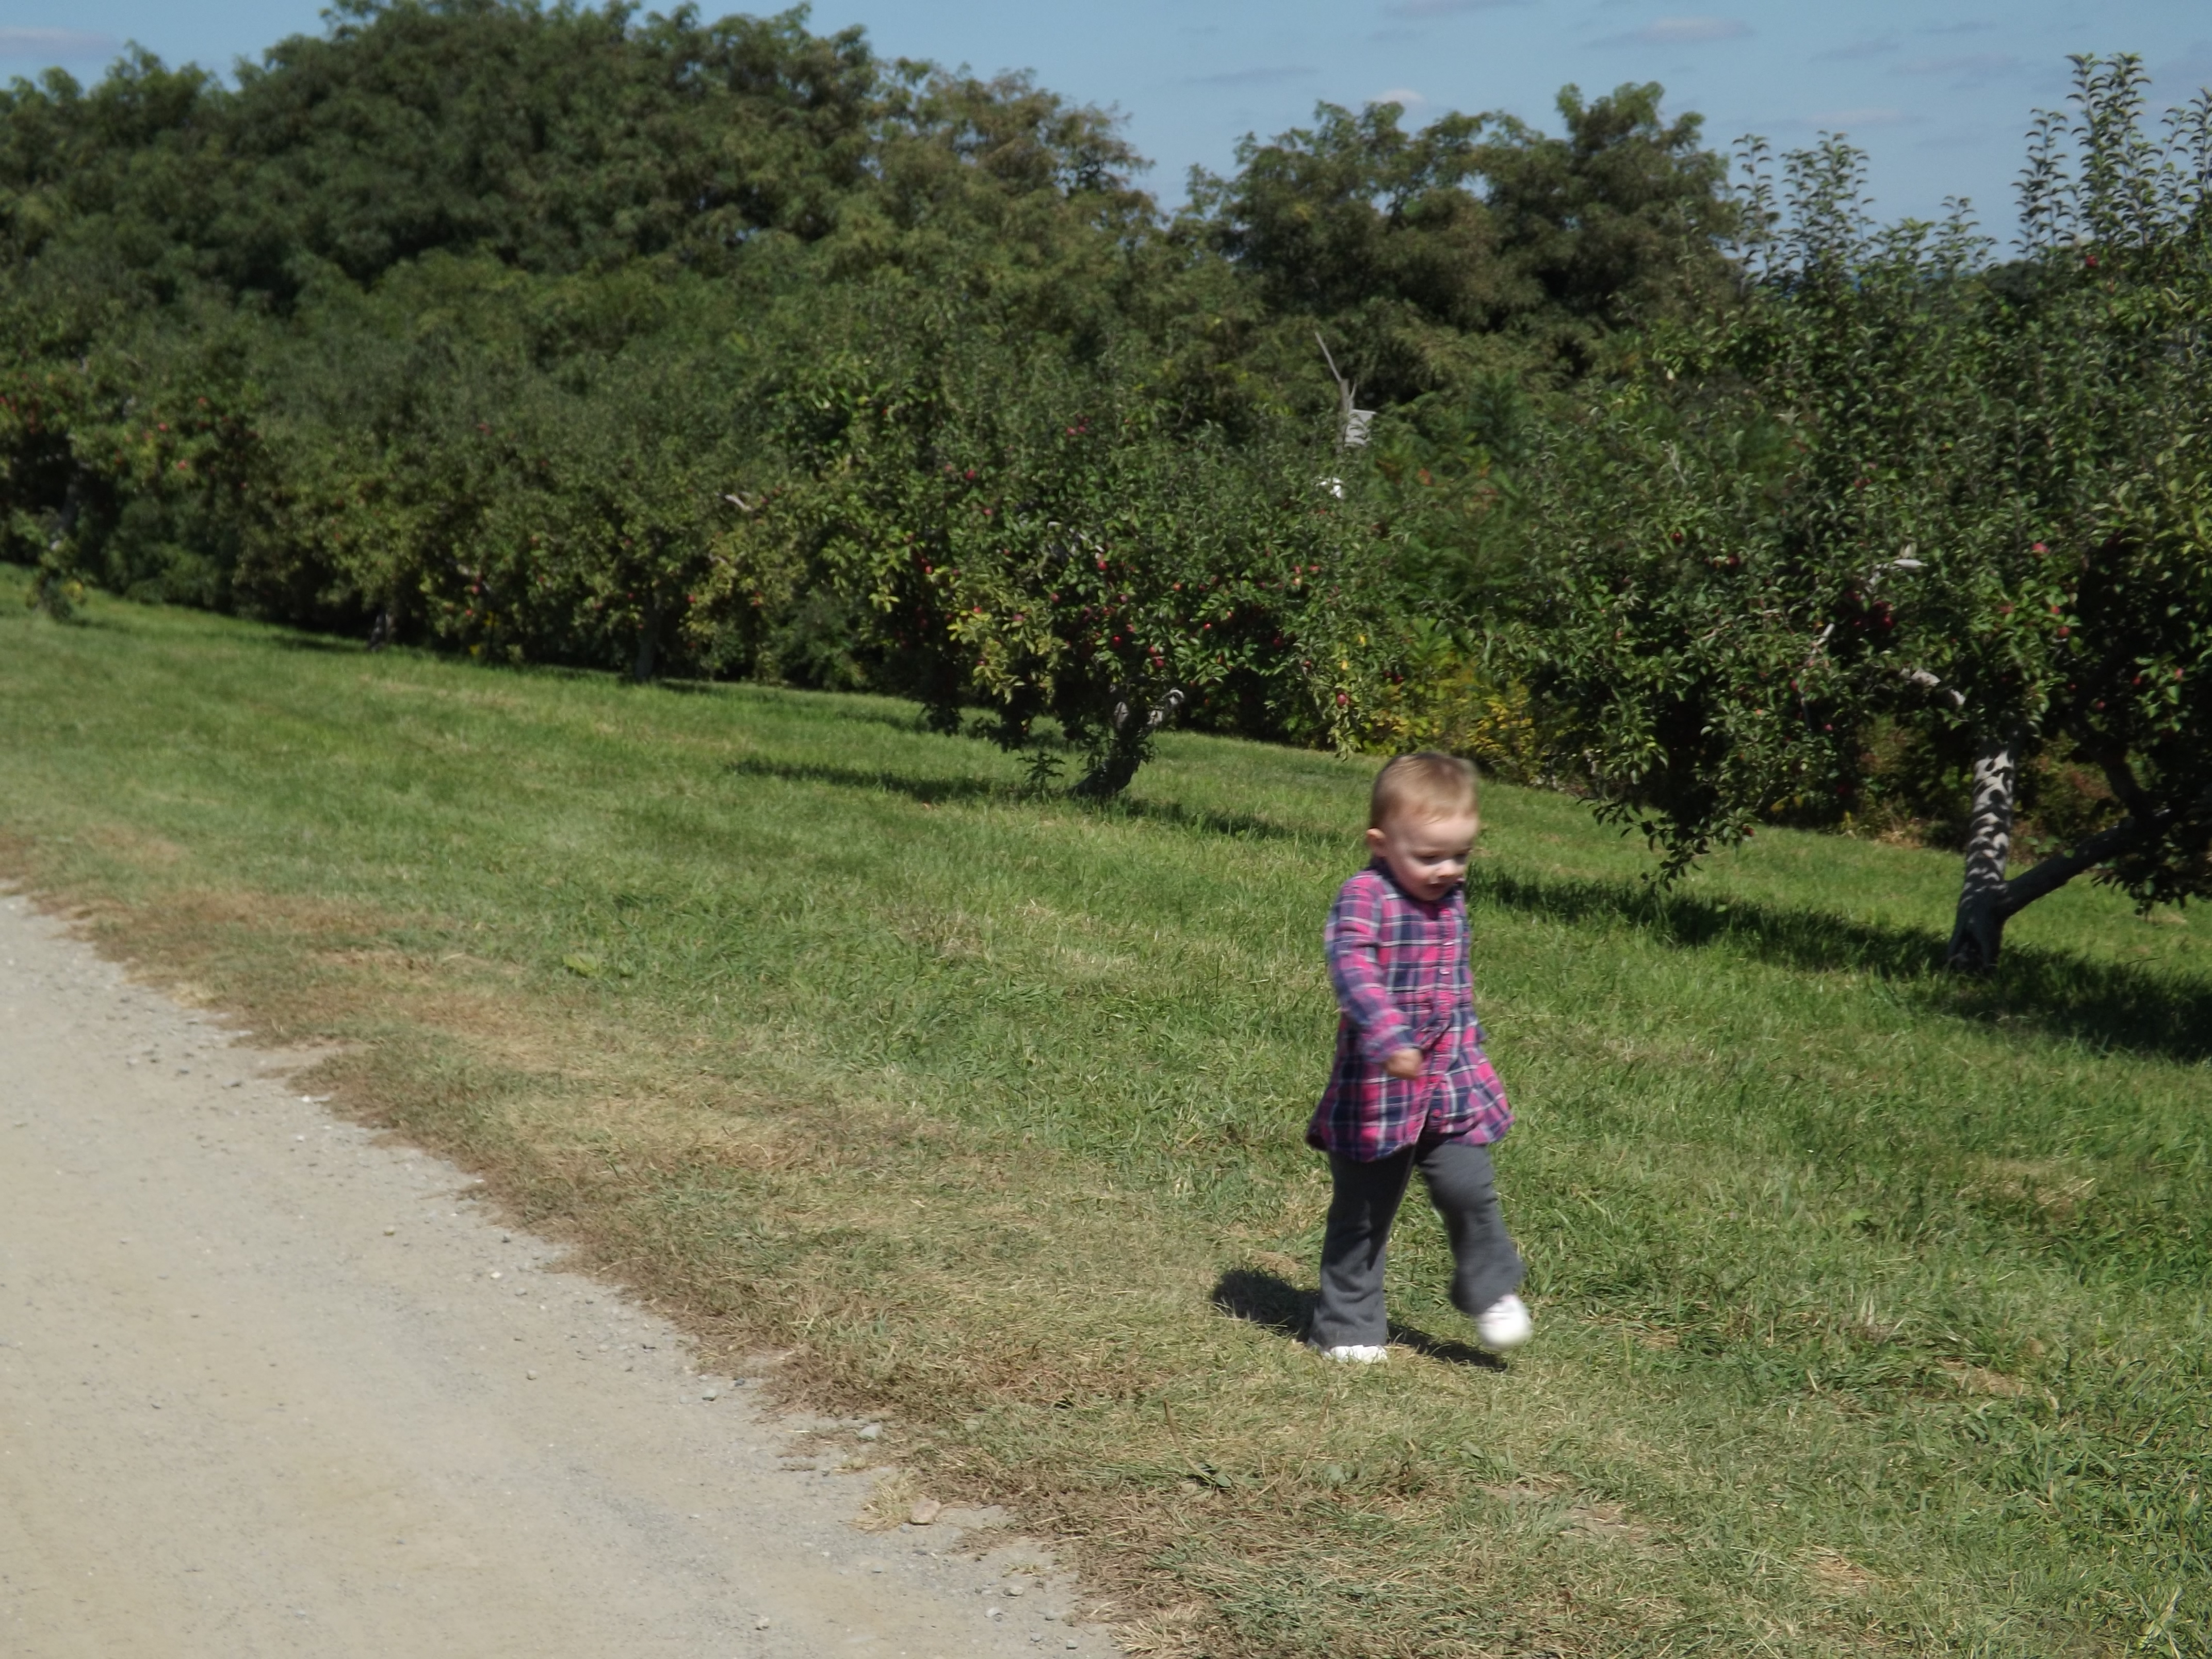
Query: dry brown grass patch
x=1979 y=1379
x=135 y=845
x=2057 y=1188
x=1608 y=1523
x=1525 y=1489
x=760 y=1212
x=1837 y=1573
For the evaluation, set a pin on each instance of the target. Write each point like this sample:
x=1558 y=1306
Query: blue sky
x=1939 y=92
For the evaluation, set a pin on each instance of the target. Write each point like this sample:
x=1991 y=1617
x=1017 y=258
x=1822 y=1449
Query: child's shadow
x=1273 y=1303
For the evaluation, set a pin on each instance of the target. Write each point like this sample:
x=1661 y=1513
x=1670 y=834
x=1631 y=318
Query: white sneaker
x=1504 y=1324
x=1354 y=1354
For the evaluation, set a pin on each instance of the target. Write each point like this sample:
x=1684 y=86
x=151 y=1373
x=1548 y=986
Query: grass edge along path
x=1871 y=1315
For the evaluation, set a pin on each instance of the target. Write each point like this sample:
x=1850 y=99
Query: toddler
x=1411 y=1087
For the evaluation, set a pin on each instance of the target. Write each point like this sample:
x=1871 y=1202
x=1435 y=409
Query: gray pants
x=1486 y=1266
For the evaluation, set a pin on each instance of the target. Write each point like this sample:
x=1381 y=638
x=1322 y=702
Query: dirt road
x=269 y=1388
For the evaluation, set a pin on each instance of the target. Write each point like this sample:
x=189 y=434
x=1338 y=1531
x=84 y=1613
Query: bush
x=1897 y=484
x=1447 y=697
x=1029 y=533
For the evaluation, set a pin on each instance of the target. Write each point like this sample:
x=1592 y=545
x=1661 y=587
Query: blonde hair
x=1429 y=782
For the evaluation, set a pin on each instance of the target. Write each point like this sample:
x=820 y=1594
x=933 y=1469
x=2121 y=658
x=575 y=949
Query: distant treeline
x=574 y=335
x=578 y=336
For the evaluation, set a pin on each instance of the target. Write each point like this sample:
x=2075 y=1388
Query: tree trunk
x=1988 y=900
x=55 y=585
x=648 y=639
x=1984 y=898
x=1110 y=774
x=72 y=506
x=1114 y=767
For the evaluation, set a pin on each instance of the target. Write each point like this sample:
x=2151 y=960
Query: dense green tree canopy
x=549 y=332
x=1901 y=488
x=556 y=332
x=1476 y=242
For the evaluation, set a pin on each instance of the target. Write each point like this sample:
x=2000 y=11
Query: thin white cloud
x=1970 y=69
x=1402 y=95
x=1680 y=32
x=1880 y=47
x=1418 y=9
x=1854 y=120
x=1263 y=75
x=53 y=45
x=1958 y=141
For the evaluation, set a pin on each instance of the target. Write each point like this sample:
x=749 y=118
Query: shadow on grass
x=1273 y=1303
x=1265 y=1299
x=2106 y=1005
x=864 y=707
x=2109 y=1005
x=907 y=719
x=932 y=790
x=1449 y=1350
x=928 y=790
x=326 y=645
x=1206 y=821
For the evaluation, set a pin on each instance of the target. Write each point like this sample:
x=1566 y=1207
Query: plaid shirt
x=1399 y=967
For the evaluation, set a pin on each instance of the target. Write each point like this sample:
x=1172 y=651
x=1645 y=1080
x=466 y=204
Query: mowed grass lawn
x=1871 y=1306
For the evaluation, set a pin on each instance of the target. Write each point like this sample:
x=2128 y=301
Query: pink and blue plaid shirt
x=1399 y=967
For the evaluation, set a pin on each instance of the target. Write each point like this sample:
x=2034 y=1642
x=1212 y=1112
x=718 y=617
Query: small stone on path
x=925 y=1510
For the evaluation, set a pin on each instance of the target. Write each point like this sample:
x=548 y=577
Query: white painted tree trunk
x=1984 y=899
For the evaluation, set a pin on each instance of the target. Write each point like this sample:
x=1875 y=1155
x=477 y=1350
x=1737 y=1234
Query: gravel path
x=268 y=1387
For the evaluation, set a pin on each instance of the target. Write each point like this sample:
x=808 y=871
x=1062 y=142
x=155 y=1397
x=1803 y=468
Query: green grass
x=1871 y=1305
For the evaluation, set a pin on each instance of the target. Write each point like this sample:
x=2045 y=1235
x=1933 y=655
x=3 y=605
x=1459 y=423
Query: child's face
x=1427 y=854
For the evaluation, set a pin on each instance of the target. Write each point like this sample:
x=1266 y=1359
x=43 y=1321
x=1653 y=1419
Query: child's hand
x=1404 y=1063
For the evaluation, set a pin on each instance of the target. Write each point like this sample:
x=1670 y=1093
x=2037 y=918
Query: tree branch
x=2051 y=874
x=1928 y=682
x=2121 y=777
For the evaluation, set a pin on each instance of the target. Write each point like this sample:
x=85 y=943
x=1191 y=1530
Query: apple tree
x=1898 y=480
x=1029 y=534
